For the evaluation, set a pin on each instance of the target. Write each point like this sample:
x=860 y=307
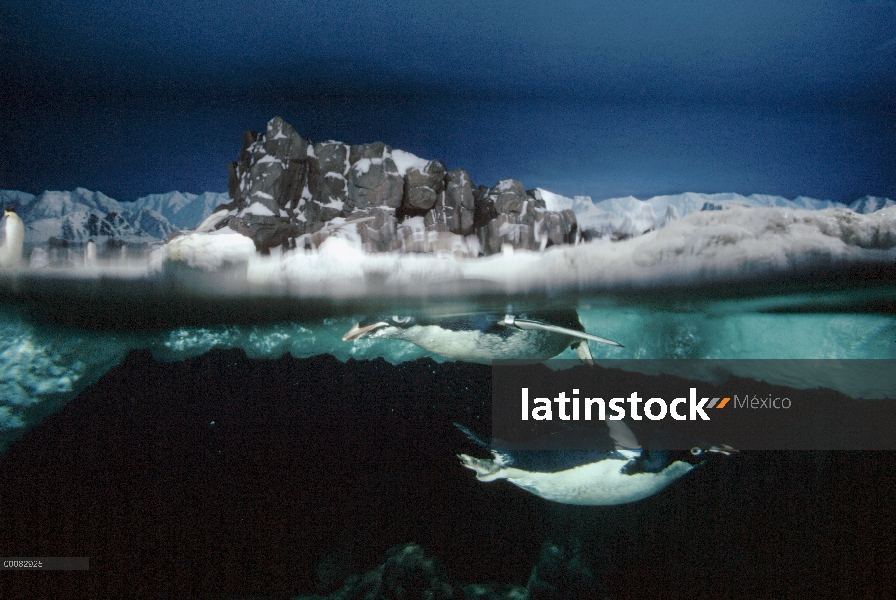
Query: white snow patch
x=405 y=161
x=504 y=185
x=362 y=165
x=205 y=251
x=222 y=231
x=257 y=208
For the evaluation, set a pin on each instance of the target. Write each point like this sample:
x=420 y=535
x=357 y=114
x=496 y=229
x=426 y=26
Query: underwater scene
x=461 y=301
x=204 y=419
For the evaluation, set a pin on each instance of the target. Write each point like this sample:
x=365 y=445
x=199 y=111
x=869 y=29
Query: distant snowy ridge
x=182 y=210
x=67 y=215
x=80 y=215
x=629 y=216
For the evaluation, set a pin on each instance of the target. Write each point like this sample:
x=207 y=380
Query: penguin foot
x=583 y=351
x=485 y=468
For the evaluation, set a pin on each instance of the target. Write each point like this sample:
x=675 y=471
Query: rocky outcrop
x=423 y=187
x=374 y=182
x=522 y=221
x=289 y=191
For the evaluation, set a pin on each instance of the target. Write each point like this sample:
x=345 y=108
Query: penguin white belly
x=596 y=484
x=466 y=345
x=11 y=251
x=475 y=346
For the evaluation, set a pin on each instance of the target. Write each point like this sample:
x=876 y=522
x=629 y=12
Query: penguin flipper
x=528 y=324
x=624 y=439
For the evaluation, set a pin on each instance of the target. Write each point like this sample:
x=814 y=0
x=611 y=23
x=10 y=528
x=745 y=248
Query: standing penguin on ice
x=617 y=471
x=13 y=239
x=484 y=337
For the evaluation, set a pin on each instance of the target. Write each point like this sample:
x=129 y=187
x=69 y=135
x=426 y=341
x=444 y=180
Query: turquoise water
x=61 y=334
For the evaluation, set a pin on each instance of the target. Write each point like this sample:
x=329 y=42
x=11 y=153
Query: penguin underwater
x=484 y=337
x=13 y=238
x=620 y=473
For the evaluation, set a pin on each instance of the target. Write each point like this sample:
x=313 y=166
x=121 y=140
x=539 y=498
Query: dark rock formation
x=327 y=183
x=288 y=190
x=408 y=571
x=521 y=220
x=422 y=187
x=272 y=168
x=562 y=572
x=374 y=182
x=456 y=206
x=266 y=231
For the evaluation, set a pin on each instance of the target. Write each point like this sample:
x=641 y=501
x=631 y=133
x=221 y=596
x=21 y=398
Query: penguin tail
x=475 y=438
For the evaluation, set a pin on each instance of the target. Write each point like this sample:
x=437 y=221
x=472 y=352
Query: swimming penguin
x=616 y=473
x=484 y=337
x=13 y=231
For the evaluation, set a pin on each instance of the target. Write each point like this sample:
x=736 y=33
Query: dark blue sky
x=582 y=97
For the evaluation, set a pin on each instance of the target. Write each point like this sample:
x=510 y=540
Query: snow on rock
x=406 y=161
x=258 y=209
x=207 y=252
x=311 y=184
x=363 y=166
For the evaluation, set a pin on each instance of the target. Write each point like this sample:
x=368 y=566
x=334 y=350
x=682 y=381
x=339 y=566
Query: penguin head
x=702 y=452
x=9 y=209
x=380 y=327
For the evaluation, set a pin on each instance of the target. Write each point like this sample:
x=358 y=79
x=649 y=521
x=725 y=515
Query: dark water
x=222 y=476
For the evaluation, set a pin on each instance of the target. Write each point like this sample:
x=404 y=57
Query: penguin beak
x=357 y=332
x=723 y=449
